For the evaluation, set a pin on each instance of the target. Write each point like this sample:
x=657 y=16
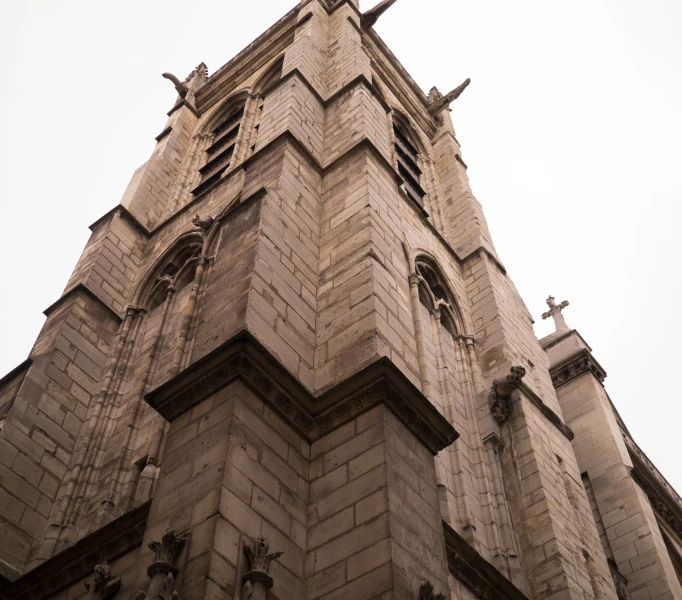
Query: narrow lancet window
x=408 y=167
x=219 y=153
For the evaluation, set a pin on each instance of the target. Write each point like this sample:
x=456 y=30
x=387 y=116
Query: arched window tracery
x=440 y=333
x=178 y=269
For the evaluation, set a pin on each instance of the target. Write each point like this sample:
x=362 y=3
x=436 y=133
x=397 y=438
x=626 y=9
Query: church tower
x=290 y=364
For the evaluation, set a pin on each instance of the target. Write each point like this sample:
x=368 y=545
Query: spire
x=555 y=312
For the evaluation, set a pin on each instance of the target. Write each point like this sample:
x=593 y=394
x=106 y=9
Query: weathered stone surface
x=294 y=327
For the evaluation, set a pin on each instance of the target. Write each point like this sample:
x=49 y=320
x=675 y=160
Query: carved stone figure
x=104 y=585
x=444 y=101
x=257 y=580
x=370 y=17
x=426 y=592
x=164 y=569
x=501 y=392
x=203 y=222
x=181 y=87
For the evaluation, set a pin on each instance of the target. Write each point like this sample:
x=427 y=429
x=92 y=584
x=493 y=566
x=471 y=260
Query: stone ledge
x=475 y=572
x=244 y=358
x=547 y=411
x=82 y=288
x=126 y=214
x=24 y=366
x=78 y=561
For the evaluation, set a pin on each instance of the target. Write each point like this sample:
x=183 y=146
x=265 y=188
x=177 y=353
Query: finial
x=369 y=18
x=555 y=312
x=439 y=103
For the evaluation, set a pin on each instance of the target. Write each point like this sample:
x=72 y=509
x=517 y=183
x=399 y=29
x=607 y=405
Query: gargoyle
x=501 y=391
x=203 y=222
x=258 y=555
x=426 y=592
x=179 y=85
x=104 y=585
x=438 y=105
x=369 y=18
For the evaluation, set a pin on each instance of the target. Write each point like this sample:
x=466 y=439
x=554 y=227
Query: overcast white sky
x=572 y=129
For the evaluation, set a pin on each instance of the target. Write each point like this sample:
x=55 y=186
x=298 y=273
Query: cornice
x=401 y=85
x=258 y=53
x=575 y=365
x=665 y=501
x=481 y=578
x=244 y=358
x=78 y=561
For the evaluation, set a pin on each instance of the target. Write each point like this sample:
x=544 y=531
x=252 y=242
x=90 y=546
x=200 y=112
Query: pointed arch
x=224 y=110
x=173 y=267
x=270 y=76
x=432 y=276
x=223 y=128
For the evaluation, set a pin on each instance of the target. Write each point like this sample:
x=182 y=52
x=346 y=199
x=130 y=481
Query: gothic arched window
x=178 y=269
x=408 y=167
x=219 y=153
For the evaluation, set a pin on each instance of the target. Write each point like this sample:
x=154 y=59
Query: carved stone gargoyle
x=426 y=592
x=203 y=222
x=187 y=89
x=104 y=585
x=502 y=388
x=164 y=569
x=180 y=86
x=440 y=102
x=369 y=18
x=258 y=580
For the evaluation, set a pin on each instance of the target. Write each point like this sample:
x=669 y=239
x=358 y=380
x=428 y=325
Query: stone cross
x=555 y=312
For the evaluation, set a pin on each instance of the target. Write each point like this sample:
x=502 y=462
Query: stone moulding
x=244 y=358
x=575 y=365
x=664 y=499
x=552 y=417
x=78 y=561
x=475 y=572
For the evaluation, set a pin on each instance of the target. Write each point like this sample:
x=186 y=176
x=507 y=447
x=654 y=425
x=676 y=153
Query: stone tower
x=290 y=364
